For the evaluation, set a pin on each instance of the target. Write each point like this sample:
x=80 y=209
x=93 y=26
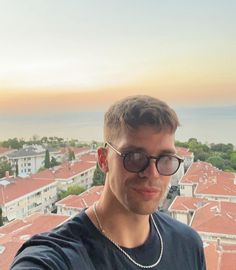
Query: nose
x=151 y=171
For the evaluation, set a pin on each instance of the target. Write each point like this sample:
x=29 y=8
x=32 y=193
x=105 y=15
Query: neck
x=122 y=226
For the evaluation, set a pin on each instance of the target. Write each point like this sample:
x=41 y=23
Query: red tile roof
x=219 y=184
x=185 y=204
x=45 y=174
x=220 y=257
x=66 y=170
x=183 y=152
x=90 y=157
x=13 y=235
x=7 y=256
x=76 y=150
x=83 y=200
x=70 y=169
x=210 y=180
x=216 y=217
x=198 y=172
x=19 y=187
x=5 y=150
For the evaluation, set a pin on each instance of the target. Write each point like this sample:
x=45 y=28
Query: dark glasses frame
x=148 y=158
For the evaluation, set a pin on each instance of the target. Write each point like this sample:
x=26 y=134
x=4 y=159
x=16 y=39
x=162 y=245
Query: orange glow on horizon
x=71 y=100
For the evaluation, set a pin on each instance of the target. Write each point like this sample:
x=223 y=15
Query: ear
x=102 y=159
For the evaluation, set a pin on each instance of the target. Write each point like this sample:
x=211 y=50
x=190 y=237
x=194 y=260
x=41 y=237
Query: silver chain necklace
x=122 y=250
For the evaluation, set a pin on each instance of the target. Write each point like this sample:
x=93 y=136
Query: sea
x=206 y=124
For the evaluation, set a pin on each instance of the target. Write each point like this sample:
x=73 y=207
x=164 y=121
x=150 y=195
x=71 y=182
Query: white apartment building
x=74 y=204
x=29 y=159
x=21 y=197
x=183 y=208
x=75 y=173
x=187 y=155
x=188 y=160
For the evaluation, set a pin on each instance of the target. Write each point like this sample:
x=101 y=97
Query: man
x=123 y=230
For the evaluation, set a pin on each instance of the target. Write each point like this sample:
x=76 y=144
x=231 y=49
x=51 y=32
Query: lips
x=147 y=192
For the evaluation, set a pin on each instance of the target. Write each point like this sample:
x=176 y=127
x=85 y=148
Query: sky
x=82 y=55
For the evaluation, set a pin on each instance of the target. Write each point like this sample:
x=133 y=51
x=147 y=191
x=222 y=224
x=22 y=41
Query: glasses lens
x=167 y=165
x=135 y=161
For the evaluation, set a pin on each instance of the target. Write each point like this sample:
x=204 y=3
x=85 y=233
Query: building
x=69 y=174
x=73 y=204
x=187 y=155
x=203 y=180
x=20 y=197
x=216 y=220
x=4 y=151
x=220 y=256
x=78 y=152
x=188 y=160
x=15 y=233
x=212 y=219
x=182 y=208
x=29 y=159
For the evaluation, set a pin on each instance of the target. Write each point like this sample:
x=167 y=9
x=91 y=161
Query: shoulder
x=60 y=248
x=181 y=242
x=176 y=229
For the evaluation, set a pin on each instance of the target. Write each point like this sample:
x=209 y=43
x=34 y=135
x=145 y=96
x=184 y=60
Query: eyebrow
x=141 y=149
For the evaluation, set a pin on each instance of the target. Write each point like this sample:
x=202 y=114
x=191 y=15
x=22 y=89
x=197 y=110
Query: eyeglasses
x=136 y=161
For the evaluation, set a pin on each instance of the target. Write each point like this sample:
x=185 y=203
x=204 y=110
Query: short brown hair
x=136 y=111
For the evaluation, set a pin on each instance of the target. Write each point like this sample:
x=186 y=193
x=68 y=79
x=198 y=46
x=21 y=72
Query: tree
x=216 y=161
x=221 y=147
x=35 y=139
x=4 y=167
x=44 y=140
x=13 y=143
x=201 y=155
x=47 y=160
x=181 y=144
x=233 y=160
x=54 y=162
x=17 y=169
x=71 y=155
x=98 y=177
x=72 y=190
x=1 y=221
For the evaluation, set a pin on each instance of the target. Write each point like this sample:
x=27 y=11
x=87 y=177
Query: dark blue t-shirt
x=78 y=245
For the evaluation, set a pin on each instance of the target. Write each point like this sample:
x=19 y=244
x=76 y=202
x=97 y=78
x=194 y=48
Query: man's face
x=141 y=192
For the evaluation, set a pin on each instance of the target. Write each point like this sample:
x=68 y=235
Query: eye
x=135 y=161
x=134 y=156
x=168 y=163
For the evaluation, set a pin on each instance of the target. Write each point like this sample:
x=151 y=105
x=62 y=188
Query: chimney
x=7 y=175
x=218 y=245
x=220 y=207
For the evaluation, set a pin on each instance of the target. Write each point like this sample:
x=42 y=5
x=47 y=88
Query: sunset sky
x=59 y=55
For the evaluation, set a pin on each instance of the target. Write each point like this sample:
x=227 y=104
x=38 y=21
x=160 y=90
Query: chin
x=143 y=209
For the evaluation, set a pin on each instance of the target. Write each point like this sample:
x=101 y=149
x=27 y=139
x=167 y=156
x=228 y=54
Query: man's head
x=139 y=156
x=138 y=111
